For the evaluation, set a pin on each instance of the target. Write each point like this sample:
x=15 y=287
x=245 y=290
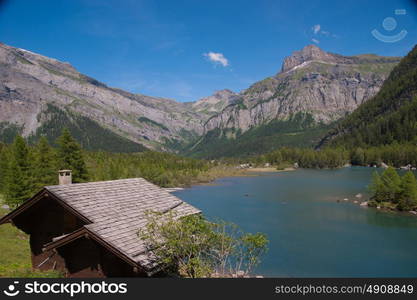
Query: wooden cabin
x=90 y=229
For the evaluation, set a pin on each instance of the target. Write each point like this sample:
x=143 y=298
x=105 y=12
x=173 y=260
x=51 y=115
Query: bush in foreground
x=194 y=247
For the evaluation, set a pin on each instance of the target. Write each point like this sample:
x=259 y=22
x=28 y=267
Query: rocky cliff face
x=327 y=86
x=215 y=103
x=324 y=85
x=30 y=82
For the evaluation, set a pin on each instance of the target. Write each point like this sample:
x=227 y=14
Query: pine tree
x=4 y=169
x=20 y=181
x=358 y=157
x=21 y=153
x=45 y=170
x=408 y=194
x=70 y=157
x=17 y=190
x=376 y=188
x=390 y=185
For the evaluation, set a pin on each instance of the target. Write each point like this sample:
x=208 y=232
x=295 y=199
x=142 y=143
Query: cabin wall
x=84 y=257
x=43 y=221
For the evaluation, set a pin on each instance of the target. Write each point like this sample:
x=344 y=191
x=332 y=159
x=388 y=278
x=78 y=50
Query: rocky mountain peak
x=308 y=53
x=223 y=93
x=216 y=102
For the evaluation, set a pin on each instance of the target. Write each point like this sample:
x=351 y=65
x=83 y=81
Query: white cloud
x=316 y=28
x=316 y=41
x=217 y=58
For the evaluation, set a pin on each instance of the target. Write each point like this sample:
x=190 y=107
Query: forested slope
x=390 y=116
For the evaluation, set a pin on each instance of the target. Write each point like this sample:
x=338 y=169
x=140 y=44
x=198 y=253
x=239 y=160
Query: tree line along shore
x=25 y=169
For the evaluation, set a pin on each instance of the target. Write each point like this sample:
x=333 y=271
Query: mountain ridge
x=323 y=85
x=30 y=82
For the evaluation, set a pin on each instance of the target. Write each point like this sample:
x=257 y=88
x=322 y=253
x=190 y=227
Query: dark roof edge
x=38 y=196
x=25 y=205
x=84 y=232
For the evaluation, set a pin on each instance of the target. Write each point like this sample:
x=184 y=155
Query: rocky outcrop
x=327 y=86
x=214 y=103
x=309 y=53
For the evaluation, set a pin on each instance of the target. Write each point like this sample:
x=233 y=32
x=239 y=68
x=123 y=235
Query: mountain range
x=312 y=90
x=295 y=107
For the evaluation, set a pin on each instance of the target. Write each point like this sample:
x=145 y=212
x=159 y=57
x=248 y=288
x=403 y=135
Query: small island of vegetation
x=391 y=191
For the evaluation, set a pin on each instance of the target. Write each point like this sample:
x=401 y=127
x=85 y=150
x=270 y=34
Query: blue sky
x=186 y=50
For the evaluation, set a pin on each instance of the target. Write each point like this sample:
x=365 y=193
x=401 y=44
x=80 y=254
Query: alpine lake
x=314 y=222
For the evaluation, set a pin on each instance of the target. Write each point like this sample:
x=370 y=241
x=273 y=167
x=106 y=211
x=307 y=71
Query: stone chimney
x=65 y=177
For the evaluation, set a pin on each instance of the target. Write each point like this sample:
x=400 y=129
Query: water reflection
x=390 y=219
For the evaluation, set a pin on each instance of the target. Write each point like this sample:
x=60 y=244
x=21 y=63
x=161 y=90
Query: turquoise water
x=310 y=233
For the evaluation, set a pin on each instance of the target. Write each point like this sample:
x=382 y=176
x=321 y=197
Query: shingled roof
x=115 y=211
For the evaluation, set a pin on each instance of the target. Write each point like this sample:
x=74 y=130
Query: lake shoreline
x=219 y=172
x=268 y=170
x=233 y=172
x=229 y=172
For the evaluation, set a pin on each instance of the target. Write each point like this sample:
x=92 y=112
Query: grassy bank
x=225 y=170
x=216 y=172
x=268 y=170
x=15 y=253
